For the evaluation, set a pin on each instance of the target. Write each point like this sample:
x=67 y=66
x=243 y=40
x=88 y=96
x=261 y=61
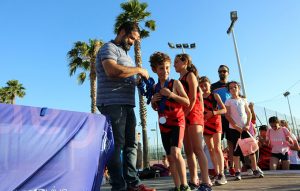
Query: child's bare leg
x=190 y=157
x=180 y=164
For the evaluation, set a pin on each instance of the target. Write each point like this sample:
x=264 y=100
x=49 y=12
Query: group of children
x=187 y=109
x=189 y=112
x=278 y=146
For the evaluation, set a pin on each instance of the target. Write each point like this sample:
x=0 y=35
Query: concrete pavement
x=273 y=180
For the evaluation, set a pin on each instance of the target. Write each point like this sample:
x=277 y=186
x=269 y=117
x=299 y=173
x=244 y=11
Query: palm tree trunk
x=93 y=77
x=12 y=100
x=93 y=86
x=143 y=110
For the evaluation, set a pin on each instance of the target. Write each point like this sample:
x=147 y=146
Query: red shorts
x=196 y=117
x=213 y=125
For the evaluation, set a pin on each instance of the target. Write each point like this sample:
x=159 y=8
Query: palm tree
x=11 y=91
x=135 y=12
x=83 y=56
x=3 y=96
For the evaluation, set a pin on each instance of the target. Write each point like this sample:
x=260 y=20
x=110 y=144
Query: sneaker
x=193 y=186
x=204 y=187
x=214 y=178
x=249 y=172
x=238 y=176
x=140 y=187
x=221 y=179
x=258 y=173
x=175 y=189
x=232 y=171
x=185 y=188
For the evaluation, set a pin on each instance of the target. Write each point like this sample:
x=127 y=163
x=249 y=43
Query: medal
x=162 y=120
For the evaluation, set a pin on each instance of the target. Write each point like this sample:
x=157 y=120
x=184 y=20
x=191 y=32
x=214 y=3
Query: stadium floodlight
x=182 y=46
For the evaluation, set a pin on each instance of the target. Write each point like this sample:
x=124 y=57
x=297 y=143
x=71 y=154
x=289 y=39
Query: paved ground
x=273 y=180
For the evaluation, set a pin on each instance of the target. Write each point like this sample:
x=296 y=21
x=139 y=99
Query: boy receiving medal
x=168 y=99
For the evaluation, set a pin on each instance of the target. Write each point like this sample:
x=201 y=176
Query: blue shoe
x=204 y=187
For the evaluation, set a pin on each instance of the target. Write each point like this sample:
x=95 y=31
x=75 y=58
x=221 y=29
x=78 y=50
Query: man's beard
x=222 y=77
x=125 y=45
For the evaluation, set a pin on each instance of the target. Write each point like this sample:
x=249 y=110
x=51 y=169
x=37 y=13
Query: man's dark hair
x=263 y=128
x=274 y=119
x=129 y=27
x=221 y=66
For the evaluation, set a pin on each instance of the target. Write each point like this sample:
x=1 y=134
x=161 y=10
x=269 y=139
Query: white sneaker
x=249 y=172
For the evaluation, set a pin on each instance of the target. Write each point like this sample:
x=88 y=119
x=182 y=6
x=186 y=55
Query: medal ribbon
x=162 y=103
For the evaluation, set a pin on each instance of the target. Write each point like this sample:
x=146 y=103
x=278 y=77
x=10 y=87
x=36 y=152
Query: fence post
x=266 y=116
x=296 y=129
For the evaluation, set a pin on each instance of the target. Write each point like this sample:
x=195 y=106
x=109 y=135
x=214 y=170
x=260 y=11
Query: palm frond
x=151 y=25
x=74 y=64
x=122 y=18
x=135 y=11
x=144 y=33
x=81 y=78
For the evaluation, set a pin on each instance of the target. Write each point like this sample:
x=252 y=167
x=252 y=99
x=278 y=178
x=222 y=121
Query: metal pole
x=266 y=116
x=296 y=127
x=157 y=144
x=182 y=49
x=259 y=120
x=238 y=61
x=290 y=112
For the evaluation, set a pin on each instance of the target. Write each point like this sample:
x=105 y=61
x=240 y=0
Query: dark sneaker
x=175 y=189
x=185 y=188
x=140 y=187
x=204 y=187
x=258 y=173
x=238 y=176
x=214 y=179
x=193 y=186
x=221 y=180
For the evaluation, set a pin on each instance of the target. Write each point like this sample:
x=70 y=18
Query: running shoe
x=238 y=176
x=221 y=180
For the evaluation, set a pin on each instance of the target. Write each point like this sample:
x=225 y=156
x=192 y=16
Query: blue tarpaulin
x=47 y=150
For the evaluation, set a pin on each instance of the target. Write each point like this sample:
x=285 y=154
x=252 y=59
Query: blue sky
x=36 y=36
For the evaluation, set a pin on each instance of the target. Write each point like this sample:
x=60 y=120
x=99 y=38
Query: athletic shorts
x=173 y=138
x=281 y=156
x=225 y=129
x=196 y=116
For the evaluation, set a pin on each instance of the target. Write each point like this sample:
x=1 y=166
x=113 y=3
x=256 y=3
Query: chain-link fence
x=262 y=114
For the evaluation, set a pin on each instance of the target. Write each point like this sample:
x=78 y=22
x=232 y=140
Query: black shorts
x=235 y=135
x=174 y=138
x=281 y=156
x=225 y=129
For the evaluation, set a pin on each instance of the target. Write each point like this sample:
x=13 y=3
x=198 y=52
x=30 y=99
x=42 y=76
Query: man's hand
x=144 y=73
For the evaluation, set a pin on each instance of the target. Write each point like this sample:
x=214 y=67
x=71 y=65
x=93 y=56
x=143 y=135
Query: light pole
x=182 y=46
x=234 y=17
x=286 y=94
x=156 y=142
